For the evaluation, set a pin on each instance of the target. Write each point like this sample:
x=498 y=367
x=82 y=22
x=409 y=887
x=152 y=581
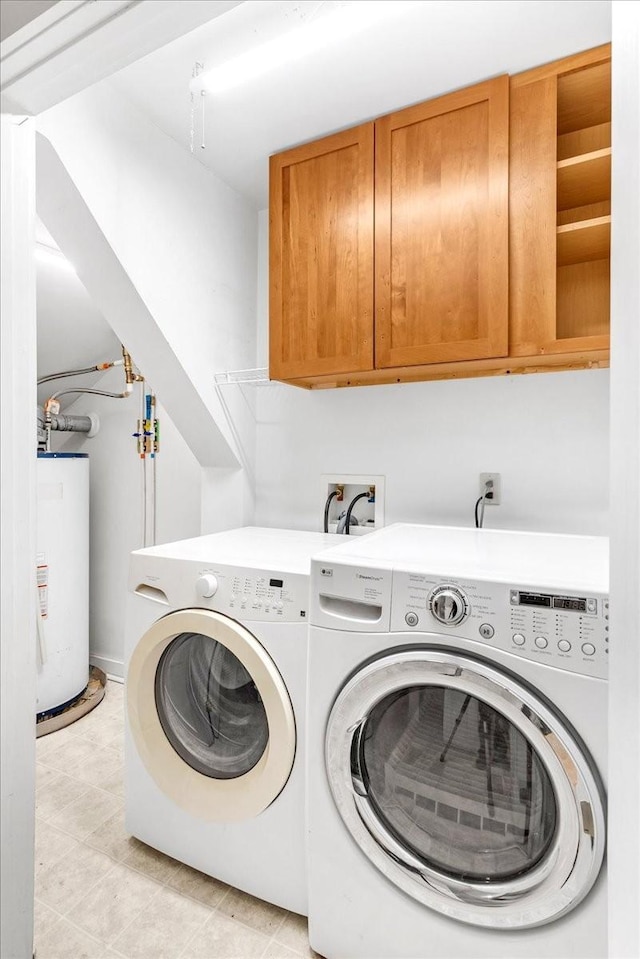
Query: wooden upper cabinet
x=560 y=206
x=441 y=248
x=321 y=256
x=480 y=246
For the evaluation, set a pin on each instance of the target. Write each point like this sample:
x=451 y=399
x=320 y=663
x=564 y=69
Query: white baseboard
x=114 y=668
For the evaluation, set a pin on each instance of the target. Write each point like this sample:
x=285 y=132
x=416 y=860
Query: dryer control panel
x=568 y=630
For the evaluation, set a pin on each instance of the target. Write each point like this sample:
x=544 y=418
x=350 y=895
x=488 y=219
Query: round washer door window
x=210 y=708
x=465 y=789
x=456 y=781
x=210 y=715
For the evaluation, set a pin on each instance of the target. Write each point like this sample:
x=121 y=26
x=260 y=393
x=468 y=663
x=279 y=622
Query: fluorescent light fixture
x=46 y=254
x=343 y=22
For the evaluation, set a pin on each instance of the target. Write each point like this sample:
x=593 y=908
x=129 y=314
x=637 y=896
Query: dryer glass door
x=465 y=788
x=210 y=707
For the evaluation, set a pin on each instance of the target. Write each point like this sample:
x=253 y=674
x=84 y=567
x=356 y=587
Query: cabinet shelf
x=584 y=141
x=584 y=179
x=590 y=211
x=584 y=240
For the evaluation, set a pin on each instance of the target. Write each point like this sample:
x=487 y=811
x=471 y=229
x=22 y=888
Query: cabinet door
x=442 y=228
x=321 y=257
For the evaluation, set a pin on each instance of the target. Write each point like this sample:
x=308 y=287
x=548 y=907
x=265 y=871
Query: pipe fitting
x=128 y=366
x=130 y=375
x=49 y=421
x=94 y=420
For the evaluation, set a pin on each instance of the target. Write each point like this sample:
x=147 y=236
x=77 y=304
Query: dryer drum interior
x=465 y=789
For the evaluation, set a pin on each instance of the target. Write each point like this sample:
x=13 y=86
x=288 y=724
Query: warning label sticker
x=42 y=580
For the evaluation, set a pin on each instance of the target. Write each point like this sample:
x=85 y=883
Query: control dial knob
x=448 y=605
x=206 y=585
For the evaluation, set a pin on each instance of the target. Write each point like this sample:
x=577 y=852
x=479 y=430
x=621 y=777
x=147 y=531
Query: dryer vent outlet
x=367 y=512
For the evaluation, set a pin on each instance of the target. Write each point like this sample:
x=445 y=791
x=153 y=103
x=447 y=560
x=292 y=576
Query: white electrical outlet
x=496 y=489
x=369 y=514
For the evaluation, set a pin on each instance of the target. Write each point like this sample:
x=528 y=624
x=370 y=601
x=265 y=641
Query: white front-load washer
x=216 y=661
x=457 y=746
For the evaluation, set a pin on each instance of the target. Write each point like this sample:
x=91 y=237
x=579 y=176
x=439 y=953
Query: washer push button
x=486 y=630
x=411 y=619
x=541 y=642
x=518 y=639
x=564 y=645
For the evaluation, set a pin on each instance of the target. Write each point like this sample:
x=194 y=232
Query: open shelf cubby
x=584 y=179
x=583 y=201
x=584 y=240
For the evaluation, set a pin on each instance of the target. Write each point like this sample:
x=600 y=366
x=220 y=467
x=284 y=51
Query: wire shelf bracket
x=259 y=377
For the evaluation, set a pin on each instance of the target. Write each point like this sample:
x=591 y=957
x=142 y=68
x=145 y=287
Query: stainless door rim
x=571 y=865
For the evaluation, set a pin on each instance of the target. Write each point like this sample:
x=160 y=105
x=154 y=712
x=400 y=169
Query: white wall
x=189 y=245
x=116 y=487
x=547 y=434
x=186 y=241
x=72 y=333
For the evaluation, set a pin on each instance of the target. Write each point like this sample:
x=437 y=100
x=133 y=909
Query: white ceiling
x=425 y=49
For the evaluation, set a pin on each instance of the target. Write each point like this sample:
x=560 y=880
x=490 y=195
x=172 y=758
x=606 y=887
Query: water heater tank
x=63 y=578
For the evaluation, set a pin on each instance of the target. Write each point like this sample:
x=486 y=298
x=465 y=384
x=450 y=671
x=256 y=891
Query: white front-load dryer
x=216 y=660
x=457 y=746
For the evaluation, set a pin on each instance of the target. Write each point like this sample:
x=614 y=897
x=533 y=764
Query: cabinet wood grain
x=502 y=366
x=532 y=216
x=321 y=256
x=442 y=229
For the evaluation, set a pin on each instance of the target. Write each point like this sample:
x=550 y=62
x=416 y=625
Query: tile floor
x=101 y=893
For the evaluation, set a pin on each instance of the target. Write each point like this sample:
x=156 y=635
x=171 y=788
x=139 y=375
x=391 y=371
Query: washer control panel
x=566 y=630
x=206 y=585
x=448 y=605
x=243 y=593
x=249 y=594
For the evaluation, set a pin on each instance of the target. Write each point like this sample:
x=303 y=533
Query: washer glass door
x=458 y=783
x=210 y=707
x=465 y=788
x=210 y=716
